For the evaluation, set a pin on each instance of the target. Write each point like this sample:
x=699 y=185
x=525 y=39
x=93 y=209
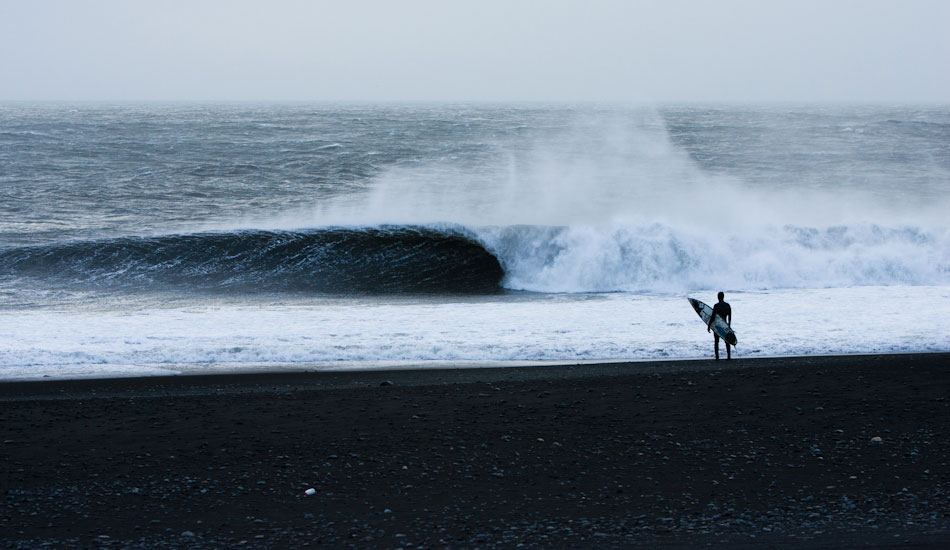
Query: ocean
x=153 y=239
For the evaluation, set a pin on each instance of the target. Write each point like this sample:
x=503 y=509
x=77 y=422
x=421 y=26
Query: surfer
x=723 y=310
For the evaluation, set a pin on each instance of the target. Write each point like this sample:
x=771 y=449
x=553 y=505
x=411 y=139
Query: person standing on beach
x=723 y=310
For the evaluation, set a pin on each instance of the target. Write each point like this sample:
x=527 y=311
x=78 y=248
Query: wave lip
x=382 y=260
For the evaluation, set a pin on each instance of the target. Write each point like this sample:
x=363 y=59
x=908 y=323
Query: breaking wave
x=456 y=259
x=664 y=259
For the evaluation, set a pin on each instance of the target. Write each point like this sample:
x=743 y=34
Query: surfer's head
x=721 y=295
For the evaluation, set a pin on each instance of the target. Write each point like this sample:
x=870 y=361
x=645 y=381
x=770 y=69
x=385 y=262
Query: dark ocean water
x=334 y=261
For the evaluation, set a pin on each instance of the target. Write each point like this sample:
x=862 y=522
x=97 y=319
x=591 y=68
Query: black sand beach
x=769 y=453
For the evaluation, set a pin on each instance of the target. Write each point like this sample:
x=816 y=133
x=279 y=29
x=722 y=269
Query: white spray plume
x=609 y=202
x=601 y=168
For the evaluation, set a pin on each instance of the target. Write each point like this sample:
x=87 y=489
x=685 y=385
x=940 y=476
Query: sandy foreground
x=752 y=453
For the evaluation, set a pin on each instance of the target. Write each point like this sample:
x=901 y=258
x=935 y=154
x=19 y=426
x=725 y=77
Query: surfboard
x=719 y=325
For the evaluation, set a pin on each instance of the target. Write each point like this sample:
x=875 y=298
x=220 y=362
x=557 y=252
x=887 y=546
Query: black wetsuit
x=723 y=310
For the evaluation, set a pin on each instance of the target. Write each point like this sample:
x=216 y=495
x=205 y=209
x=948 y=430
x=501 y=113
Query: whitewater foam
x=659 y=258
x=214 y=335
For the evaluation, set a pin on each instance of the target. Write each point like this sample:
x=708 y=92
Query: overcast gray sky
x=554 y=50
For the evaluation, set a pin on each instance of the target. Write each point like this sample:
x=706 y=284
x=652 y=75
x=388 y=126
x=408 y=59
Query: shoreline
x=753 y=452
x=346 y=367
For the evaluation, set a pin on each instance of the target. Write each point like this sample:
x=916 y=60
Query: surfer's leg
x=716 y=340
x=728 y=351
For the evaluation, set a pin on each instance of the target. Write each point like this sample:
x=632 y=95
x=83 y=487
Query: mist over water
x=591 y=166
x=609 y=202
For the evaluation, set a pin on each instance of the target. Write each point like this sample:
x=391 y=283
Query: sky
x=476 y=50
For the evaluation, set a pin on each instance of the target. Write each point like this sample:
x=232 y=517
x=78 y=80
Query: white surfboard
x=719 y=325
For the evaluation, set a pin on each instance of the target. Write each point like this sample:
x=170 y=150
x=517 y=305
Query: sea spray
x=607 y=202
x=592 y=168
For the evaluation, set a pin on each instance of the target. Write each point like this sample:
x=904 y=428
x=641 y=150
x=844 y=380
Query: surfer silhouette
x=724 y=310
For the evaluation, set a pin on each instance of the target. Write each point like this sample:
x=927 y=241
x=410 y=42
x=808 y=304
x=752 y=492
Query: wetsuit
x=723 y=310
